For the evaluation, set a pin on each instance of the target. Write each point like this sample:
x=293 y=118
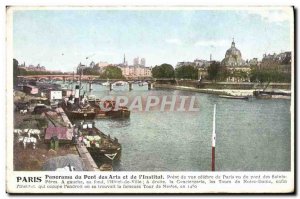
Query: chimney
x=76 y=94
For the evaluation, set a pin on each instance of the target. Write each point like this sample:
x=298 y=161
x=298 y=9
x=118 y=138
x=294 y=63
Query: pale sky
x=60 y=39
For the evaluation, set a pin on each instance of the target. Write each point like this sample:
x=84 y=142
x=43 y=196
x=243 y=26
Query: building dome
x=233 y=56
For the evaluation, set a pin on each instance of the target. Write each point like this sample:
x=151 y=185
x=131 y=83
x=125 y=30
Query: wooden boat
x=234 y=97
x=105 y=83
x=103 y=149
x=272 y=94
x=78 y=112
x=120 y=83
x=120 y=112
x=143 y=83
x=263 y=96
x=281 y=97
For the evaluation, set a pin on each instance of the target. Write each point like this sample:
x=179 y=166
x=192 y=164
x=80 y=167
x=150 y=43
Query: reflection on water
x=119 y=123
x=252 y=135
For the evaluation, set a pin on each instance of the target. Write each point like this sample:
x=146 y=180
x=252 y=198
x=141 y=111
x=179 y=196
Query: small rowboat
x=233 y=97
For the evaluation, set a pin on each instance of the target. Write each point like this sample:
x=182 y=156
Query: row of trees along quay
x=217 y=72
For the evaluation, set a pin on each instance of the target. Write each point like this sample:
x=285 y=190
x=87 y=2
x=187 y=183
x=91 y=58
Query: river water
x=253 y=135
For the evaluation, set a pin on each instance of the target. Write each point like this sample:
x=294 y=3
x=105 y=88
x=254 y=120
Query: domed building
x=233 y=57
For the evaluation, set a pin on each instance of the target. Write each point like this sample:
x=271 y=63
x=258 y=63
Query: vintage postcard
x=119 y=99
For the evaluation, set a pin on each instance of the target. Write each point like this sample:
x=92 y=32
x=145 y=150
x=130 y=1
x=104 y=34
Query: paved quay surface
x=87 y=158
x=82 y=150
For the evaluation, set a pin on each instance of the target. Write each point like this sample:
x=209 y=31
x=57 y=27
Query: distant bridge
x=56 y=77
x=70 y=77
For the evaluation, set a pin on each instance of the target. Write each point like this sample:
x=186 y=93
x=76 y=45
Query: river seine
x=253 y=135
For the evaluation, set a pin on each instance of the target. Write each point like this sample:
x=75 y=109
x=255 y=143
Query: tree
x=112 y=72
x=214 y=70
x=268 y=75
x=239 y=74
x=22 y=72
x=15 y=71
x=217 y=72
x=90 y=71
x=186 y=72
x=163 y=71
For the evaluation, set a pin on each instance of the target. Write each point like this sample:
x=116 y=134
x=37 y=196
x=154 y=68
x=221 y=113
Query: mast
x=73 y=76
x=80 y=81
x=72 y=84
x=213 y=144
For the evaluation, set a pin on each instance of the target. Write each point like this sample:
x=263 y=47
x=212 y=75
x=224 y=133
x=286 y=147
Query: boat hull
x=74 y=115
x=122 y=112
x=79 y=115
x=102 y=156
x=234 y=97
x=101 y=147
x=118 y=114
x=271 y=95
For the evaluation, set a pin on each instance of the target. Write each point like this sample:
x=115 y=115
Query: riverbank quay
x=84 y=154
x=53 y=142
x=86 y=157
x=30 y=151
x=233 y=92
x=223 y=88
x=229 y=85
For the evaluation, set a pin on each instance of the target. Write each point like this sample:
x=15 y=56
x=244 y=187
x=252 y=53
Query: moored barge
x=76 y=108
x=272 y=94
x=103 y=149
x=234 y=97
x=108 y=108
x=76 y=112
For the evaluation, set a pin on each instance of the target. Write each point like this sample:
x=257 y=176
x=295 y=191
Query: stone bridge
x=71 y=77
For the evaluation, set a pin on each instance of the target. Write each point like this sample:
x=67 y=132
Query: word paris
x=152 y=103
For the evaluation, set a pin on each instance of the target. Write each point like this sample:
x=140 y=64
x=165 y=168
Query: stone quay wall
x=224 y=85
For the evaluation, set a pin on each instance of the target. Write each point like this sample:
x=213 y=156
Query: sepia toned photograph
x=107 y=90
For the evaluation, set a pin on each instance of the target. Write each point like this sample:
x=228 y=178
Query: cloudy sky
x=60 y=39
